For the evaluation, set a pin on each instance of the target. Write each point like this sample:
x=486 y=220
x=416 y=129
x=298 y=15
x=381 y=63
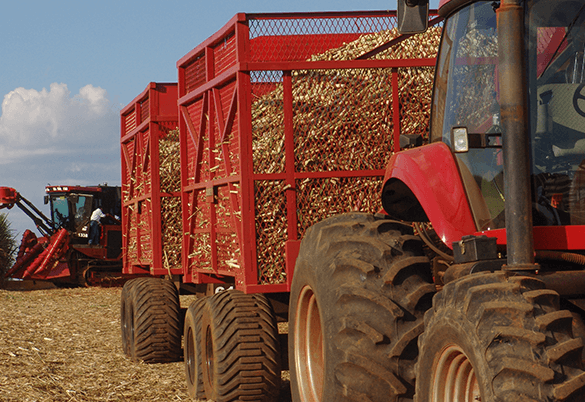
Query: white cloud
x=52 y=136
x=53 y=122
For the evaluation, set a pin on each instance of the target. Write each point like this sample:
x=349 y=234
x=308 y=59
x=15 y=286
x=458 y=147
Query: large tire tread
x=158 y=321
x=192 y=349
x=246 y=348
x=378 y=287
x=521 y=342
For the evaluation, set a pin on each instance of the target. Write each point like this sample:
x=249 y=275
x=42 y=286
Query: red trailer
x=284 y=120
x=146 y=122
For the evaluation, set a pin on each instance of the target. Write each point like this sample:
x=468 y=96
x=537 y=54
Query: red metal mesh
x=321 y=198
x=296 y=39
x=228 y=218
x=271 y=230
x=144 y=109
x=199 y=251
x=267 y=122
x=344 y=122
x=195 y=74
x=129 y=121
x=171 y=231
x=415 y=91
x=139 y=247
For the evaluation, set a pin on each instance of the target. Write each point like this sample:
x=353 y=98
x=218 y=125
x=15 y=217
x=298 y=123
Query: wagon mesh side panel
x=200 y=233
x=342 y=119
x=271 y=230
x=321 y=198
x=228 y=217
x=171 y=231
x=297 y=39
x=267 y=122
x=225 y=54
x=144 y=109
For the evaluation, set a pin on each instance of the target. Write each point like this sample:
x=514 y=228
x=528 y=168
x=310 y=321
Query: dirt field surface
x=64 y=345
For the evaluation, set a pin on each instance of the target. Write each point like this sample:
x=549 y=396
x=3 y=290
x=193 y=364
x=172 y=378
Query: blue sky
x=68 y=67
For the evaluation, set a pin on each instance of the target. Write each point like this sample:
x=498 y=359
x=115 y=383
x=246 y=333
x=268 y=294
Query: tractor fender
x=424 y=184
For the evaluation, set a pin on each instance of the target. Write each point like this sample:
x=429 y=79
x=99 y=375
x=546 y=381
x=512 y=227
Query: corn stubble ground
x=64 y=345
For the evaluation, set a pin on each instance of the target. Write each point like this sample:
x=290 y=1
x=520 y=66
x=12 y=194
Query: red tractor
x=471 y=287
x=62 y=254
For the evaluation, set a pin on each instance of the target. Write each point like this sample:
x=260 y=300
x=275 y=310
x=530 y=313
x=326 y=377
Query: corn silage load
x=343 y=121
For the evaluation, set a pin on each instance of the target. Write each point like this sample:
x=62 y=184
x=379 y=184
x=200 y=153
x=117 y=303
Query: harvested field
x=64 y=345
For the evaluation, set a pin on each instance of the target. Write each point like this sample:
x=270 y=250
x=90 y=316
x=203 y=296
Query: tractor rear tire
x=502 y=338
x=359 y=292
x=192 y=349
x=157 y=322
x=239 y=348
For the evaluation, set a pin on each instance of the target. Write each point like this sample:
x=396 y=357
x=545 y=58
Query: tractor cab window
x=556 y=45
x=466 y=95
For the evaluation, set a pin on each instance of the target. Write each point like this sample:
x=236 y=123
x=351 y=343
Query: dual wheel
x=365 y=324
x=232 y=349
x=151 y=320
x=231 y=345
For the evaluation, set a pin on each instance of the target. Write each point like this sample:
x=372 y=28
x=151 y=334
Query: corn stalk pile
x=170 y=182
x=343 y=121
x=170 y=162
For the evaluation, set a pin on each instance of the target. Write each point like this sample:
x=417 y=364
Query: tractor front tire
x=495 y=337
x=360 y=289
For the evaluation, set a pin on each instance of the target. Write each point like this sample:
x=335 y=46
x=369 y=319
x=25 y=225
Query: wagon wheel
x=153 y=325
x=192 y=354
x=239 y=347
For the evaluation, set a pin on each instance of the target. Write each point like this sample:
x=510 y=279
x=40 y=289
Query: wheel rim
x=190 y=356
x=454 y=378
x=309 y=357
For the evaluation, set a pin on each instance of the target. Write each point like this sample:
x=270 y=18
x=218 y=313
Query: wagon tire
x=360 y=289
x=240 y=348
x=127 y=318
x=192 y=352
x=494 y=337
x=157 y=321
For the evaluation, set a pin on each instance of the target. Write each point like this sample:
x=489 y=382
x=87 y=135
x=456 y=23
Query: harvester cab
x=71 y=208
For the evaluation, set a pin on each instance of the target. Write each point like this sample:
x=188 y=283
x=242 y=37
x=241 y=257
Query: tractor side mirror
x=413 y=16
x=46 y=199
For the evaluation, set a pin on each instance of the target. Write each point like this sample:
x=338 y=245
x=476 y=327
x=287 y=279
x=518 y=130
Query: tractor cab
x=467 y=116
x=506 y=73
x=71 y=207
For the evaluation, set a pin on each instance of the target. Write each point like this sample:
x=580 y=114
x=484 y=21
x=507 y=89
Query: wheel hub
x=454 y=378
